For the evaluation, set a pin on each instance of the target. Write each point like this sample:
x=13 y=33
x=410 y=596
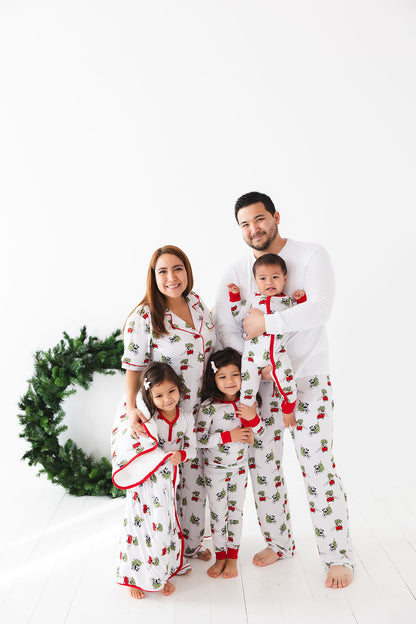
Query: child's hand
x=299 y=294
x=289 y=420
x=247 y=412
x=233 y=288
x=242 y=434
x=175 y=458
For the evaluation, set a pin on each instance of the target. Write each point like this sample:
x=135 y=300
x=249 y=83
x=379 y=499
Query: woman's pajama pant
x=191 y=499
x=312 y=437
x=226 y=491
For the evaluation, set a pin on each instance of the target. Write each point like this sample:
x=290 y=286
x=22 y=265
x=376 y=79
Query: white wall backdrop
x=129 y=125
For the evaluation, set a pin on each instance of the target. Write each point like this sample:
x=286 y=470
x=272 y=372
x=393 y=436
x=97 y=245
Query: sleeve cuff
x=250 y=423
x=183 y=455
x=287 y=408
x=225 y=437
x=301 y=299
x=234 y=296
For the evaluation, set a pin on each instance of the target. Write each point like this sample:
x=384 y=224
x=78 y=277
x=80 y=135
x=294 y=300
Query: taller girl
x=171 y=324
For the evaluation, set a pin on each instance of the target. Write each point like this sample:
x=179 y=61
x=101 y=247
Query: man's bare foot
x=135 y=592
x=339 y=576
x=168 y=588
x=217 y=568
x=265 y=557
x=230 y=570
x=205 y=555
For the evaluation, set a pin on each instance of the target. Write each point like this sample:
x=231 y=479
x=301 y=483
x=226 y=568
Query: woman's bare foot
x=205 y=555
x=230 y=570
x=265 y=557
x=217 y=568
x=168 y=588
x=135 y=592
x=339 y=576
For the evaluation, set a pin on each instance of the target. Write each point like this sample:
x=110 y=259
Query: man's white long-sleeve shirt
x=308 y=268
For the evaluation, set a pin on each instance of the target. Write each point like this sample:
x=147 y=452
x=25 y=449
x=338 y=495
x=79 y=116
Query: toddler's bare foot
x=265 y=557
x=205 y=555
x=168 y=588
x=230 y=570
x=217 y=568
x=135 y=592
x=339 y=576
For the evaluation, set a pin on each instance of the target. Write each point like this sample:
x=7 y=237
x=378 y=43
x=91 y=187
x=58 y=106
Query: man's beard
x=266 y=244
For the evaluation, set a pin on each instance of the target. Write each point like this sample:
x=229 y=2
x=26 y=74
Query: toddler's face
x=270 y=280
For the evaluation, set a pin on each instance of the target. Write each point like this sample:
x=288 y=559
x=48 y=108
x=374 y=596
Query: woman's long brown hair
x=153 y=297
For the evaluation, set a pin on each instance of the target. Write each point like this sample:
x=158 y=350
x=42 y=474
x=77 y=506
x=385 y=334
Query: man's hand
x=289 y=420
x=136 y=418
x=254 y=323
x=266 y=373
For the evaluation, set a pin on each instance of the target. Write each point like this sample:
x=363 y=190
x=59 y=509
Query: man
x=309 y=268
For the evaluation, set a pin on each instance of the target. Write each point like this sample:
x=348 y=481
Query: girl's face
x=165 y=396
x=171 y=276
x=228 y=380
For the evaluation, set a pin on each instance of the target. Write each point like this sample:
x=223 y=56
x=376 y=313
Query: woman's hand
x=242 y=434
x=175 y=458
x=136 y=418
x=254 y=323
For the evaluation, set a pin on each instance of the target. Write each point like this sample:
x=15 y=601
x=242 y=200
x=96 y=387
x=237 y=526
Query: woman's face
x=171 y=276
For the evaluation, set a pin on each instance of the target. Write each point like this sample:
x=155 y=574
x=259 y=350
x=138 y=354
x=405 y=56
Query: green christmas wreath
x=72 y=362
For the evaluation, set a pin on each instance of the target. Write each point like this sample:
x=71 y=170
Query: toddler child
x=270 y=274
x=224 y=431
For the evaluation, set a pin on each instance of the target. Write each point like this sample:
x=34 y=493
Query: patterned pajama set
x=186 y=350
x=265 y=350
x=309 y=269
x=151 y=543
x=225 y=467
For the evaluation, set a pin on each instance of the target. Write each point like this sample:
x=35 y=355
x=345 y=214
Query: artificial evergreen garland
x=72 y=362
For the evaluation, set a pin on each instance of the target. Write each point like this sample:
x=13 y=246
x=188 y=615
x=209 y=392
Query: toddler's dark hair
x=270 y=259
x=219 y=359
x=155 y=373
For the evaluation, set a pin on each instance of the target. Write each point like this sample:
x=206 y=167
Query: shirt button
x=197 y=336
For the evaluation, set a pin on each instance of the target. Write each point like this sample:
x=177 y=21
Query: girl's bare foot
x=230 y=570
x=205 y=555
x=339 y=576
x=265 y=557
x=135 y=592
x=217 y=568
x=168 y=588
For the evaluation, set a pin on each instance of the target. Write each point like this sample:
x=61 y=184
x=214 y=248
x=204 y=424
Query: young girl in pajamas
x=224 y=432
x=152 y=544
x=270 y=275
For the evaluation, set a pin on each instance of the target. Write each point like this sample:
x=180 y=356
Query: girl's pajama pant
x=226 y=490
x=312 y=437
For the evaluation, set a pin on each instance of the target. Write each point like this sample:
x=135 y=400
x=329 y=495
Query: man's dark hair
x=253 y=198
x=270 y=259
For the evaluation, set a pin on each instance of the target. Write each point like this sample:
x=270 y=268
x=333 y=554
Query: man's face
x=258 y=226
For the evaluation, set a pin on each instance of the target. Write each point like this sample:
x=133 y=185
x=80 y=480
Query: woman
x=171 y=324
